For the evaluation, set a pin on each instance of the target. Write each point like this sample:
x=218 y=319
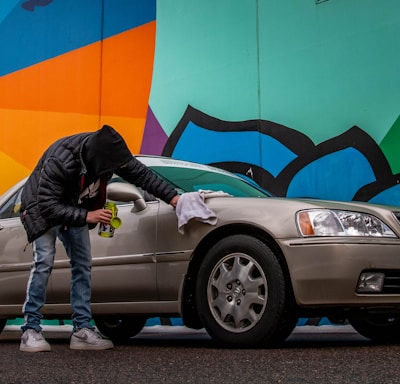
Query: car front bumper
x=325 y=271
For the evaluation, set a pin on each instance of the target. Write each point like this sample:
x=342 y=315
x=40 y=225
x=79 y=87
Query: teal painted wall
x=318 y=68
x=327 y=70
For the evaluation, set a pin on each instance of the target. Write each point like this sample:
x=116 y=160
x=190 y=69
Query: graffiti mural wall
x=70 y=66
x=301 y=96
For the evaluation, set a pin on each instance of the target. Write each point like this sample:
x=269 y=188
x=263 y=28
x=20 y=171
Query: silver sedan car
x=246 y=277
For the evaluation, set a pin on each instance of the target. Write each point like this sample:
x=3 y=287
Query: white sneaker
x=32 y=341
x=89 y=340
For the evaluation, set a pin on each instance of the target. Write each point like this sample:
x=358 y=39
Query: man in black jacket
x=63 y=197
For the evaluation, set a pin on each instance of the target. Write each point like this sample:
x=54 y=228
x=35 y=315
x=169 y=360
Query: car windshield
x=192 y=180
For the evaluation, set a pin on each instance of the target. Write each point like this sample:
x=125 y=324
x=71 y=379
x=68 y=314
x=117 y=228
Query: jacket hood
x=105 y=151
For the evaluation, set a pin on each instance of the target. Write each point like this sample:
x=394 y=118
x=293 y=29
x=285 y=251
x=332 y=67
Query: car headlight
x=330 y=222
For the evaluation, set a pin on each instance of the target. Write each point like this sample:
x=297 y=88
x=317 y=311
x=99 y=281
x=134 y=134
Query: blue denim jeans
x=76 y=242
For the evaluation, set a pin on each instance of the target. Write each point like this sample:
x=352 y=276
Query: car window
x=12 y=206
x=192 y=180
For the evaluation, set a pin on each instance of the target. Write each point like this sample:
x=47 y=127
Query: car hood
x=277 y=216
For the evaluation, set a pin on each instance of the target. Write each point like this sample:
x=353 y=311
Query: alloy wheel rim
x=237 y=292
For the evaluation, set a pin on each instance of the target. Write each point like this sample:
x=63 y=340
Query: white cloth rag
x=191 y=205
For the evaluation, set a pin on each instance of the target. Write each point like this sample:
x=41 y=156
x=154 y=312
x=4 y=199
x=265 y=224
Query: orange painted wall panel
x=107 y=82
x=127 y=68
x=66 y=83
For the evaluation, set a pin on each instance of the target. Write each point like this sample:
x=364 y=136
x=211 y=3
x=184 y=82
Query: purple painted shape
x=154 y=137
x=31 y=4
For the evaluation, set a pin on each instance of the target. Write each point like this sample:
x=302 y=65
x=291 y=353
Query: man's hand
x=99 y=216
x=174 y=201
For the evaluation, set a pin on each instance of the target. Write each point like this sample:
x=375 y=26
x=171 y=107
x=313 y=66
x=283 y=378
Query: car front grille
x=391 y=284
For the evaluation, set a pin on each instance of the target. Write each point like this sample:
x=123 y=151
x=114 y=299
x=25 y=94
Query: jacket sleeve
x=139 y=174
x=56 y=195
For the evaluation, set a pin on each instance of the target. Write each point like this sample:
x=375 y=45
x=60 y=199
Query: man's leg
x=77 y=244
x=43 y=259
x=32 y=339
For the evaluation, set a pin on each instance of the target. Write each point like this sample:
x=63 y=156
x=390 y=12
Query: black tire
x=383 y=328
x=3 y=323
x=241 y=294
x=119 y=329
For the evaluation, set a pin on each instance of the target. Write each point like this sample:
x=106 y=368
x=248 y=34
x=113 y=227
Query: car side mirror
x=126 y=192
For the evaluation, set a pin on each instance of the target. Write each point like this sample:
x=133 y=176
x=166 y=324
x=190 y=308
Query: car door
x=15 y=252
x=174 y=251
x=124 y=268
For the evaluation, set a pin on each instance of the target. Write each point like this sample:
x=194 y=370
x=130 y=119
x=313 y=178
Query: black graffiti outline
x=306 y=151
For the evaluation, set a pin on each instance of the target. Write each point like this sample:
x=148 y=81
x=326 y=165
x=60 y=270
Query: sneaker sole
x=36 y=349
x=88 y=347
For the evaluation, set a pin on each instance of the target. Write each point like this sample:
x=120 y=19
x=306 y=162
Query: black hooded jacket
x=51 y=193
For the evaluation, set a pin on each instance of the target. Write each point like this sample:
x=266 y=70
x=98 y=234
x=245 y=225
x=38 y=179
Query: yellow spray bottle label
x=107 y=230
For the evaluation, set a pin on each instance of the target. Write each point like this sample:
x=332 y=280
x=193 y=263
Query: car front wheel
x=119 y=329
x=241 y=294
